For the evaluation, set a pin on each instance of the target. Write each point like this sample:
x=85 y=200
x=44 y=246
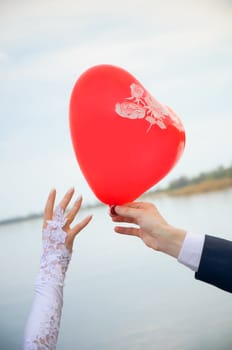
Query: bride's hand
x=71 y=232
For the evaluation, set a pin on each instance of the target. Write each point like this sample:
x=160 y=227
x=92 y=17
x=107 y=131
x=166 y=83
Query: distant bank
x=216 y=180
x=205 y=186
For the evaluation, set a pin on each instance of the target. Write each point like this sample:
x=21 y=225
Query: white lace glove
x=55 y=257
x=43 y=324
x=44 y=321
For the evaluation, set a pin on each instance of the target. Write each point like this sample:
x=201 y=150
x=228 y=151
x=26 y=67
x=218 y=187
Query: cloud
x=181 y=52
x=27 y=18
x=80 y=7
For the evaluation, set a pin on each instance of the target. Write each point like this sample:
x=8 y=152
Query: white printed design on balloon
x=142 y=105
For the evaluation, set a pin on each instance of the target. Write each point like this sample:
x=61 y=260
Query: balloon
x=125 y=141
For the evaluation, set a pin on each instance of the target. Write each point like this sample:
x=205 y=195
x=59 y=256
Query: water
x=119 y=294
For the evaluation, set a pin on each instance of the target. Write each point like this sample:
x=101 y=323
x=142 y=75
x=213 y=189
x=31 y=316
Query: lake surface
x=119 y=294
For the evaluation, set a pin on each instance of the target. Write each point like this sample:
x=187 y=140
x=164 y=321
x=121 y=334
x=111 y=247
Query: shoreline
x=203 y=187
x=212 y=185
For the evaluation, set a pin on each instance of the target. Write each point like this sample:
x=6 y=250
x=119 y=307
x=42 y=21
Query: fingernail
x=79 y=197
x=71 y=190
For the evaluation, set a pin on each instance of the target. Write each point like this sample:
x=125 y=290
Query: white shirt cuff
x=190 y=253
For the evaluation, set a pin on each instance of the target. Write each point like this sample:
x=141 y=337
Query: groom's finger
x=131 y=231
x=126 y=211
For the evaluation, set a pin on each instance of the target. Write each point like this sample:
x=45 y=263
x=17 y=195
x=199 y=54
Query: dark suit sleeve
x=216 y=263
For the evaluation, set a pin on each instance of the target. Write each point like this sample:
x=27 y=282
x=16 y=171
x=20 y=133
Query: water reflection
x=119 y=294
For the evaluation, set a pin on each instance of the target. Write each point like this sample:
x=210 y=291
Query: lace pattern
x=54 y=263
x=55 y=257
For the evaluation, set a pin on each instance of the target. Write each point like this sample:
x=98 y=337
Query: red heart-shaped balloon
x=125 y=141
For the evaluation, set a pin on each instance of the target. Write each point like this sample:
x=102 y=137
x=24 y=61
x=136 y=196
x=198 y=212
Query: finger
x=126 y=211
x=78 y=227
x=117 y=218
x=122 y=219
x=66 y=199
x=113 y=213
x=49 y=206
x=75 y=230
x=135 y=205
x=73 y=212
x=131 y=231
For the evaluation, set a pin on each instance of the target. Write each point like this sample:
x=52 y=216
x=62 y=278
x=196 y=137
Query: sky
x=180 y=50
